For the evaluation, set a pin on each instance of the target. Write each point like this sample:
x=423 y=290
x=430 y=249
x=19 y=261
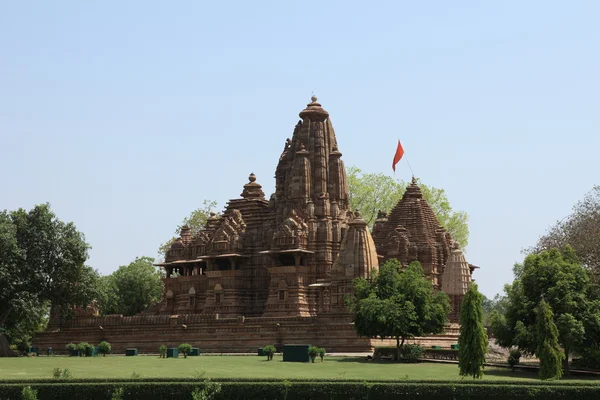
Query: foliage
x=208 y=392
x=131 y=288
x=185 y=349
x=135 y=375
x=71 y=348
x=104 y=348
x=322 y=353
x=398 y=304
x=411 y=353
x=311 y=390
x=118 y=394
x=580 y=230
x=61 y=373
x=41 y=264
x=28 y=393
x=514 y=357
x=195 y=221
x=548 y=350
x=561 y=280
x=498 y=303
x=269 y=351
x=370 y=193
x=313 y=352
x=473 y=340
x=162 y=350
x=85 y=349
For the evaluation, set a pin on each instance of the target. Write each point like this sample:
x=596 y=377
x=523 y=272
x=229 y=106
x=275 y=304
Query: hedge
x=304 y=390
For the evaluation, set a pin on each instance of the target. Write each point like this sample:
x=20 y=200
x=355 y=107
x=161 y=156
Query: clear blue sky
x=125 y=116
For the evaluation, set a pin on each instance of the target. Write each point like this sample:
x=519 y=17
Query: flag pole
x=409 y=167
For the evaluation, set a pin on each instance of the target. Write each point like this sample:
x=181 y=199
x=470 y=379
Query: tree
x=195 y=221
x=473 y=340
x=104 y=348
x=548 y=350
x=185 y=349
x=131 y=288
x=557 y=277
x=398 y=304
x=580 y=230
x=41 y=264
x=370 y=193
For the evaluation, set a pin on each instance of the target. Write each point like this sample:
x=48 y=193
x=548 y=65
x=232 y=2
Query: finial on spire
x=414 y=180
x=252 y=177
x=314 y=98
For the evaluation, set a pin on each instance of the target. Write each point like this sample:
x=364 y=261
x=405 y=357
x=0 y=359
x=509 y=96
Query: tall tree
x=473 y=340
x=196 y=222
x=41 y=263
x=398 y=304
x=558 y=277
x=548 y=350
x=580 y=230
x=131 y=288
x=370 y=193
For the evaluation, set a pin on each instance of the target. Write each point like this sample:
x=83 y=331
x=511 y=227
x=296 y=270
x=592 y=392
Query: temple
x=278 y=269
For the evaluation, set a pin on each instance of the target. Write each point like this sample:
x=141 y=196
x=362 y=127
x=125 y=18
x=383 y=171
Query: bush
x=514 y=357
x=28 y=393
x=104 y=348
x=208 y=392
x=118 y=394
x=411 y=353
x=322 y=353
x=85 y=349
x=71 y=348
x=61 y=373
x=269 y=351
x=162 y=350
x=185 y=349
x=313 y=352
x=311 y=390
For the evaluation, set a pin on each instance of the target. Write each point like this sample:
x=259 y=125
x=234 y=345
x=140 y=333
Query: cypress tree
x=548 y=350
x=473 y=339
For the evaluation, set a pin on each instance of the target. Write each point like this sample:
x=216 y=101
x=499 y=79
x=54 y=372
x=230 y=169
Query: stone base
x=213 y=335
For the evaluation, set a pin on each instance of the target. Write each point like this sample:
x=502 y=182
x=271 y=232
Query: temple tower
x=456 y=280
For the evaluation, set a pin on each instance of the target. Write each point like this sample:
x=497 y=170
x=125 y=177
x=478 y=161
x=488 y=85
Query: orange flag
x=398 y=155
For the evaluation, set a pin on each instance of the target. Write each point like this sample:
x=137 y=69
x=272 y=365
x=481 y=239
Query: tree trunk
x=566 y=362
x=397 y=348
x=5 y=350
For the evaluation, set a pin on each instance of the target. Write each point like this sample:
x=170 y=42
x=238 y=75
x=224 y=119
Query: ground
x=238 y=366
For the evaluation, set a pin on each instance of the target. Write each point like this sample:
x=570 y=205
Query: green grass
x=239 y=366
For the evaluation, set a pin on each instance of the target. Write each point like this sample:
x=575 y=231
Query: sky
x=126 y=116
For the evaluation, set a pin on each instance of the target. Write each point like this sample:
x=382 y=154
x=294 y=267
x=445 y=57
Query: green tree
x=41 y=265
x=548 y=350
x=131 y=288
x=398 y=304
x=196 y=222
x=371 y=192
x=185 y=349
x=473 y=340
x=104 y=348
x=580 y=230
x=558 y=277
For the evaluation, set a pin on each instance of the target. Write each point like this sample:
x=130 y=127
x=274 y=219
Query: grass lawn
x=238 y=366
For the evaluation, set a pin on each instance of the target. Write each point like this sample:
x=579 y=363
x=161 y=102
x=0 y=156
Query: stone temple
x=275 y=270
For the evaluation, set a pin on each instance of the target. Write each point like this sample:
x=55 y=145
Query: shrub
x=322 y=353
x=514 y=357
x=313 y=352
x=71 y=348
x=85 y=349
x=104 y=348
x=61 y=373
x=185 y=349
x=28 y=393
x=269 y=351
x=118 y=394
x=411 y=353
x=162 y=350
x=208 y=392
x=135 y=375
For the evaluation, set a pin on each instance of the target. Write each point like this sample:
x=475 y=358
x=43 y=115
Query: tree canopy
x=580 y=230
x=371 y=192
x=548 y=350
x=473 y=340
x=398 y=304
x=557 y=277
x=131 y=288
x=195 y=221
x=42 y=265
